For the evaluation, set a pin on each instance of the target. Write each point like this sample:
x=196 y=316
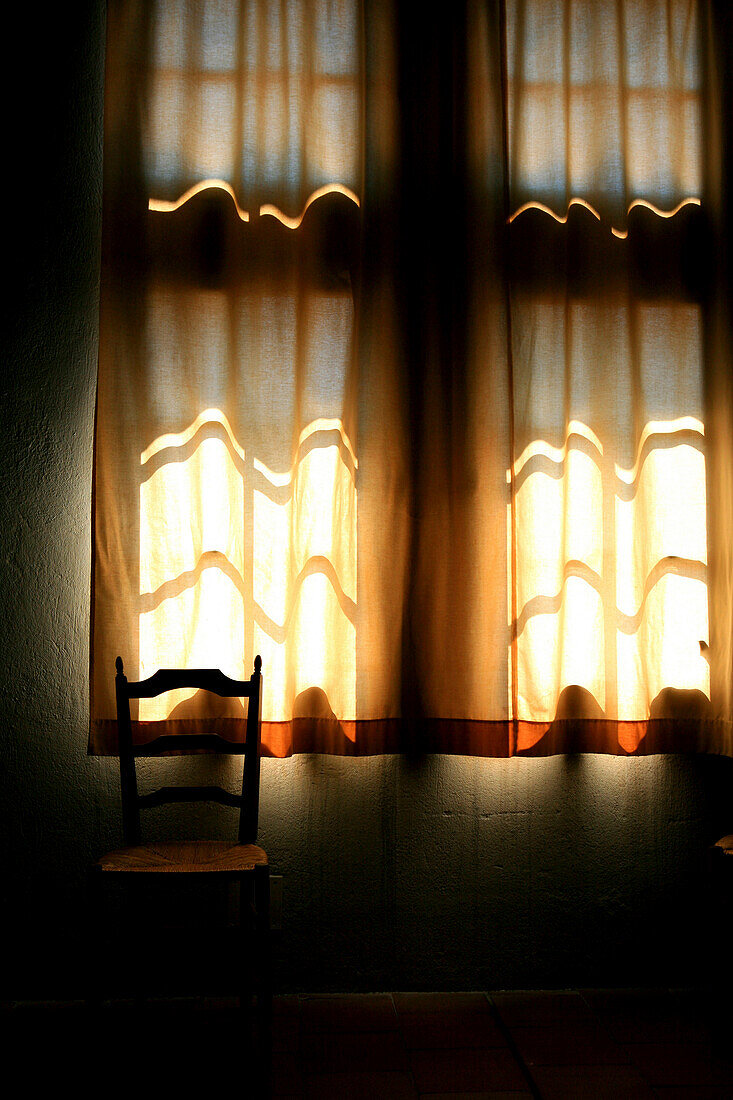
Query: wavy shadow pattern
x=627 y=624
x=327 y=189
x=166 y=206
x=622 y=234
x=548 y=464
x=181 y=452
x=178 y=439
x=215 y=559
x=575 y=428
x=316 y=564
x=686 y=431
x=625 y=489
x=279 y=490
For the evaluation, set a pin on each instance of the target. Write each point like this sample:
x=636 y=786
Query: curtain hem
x=454 y=737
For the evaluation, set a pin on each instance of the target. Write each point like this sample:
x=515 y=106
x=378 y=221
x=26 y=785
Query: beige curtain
x=608 y=474
x=409 y=344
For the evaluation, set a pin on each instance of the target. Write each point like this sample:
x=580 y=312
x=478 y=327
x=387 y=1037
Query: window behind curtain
x=608 y=478
x=401 y=378
x=263 y=97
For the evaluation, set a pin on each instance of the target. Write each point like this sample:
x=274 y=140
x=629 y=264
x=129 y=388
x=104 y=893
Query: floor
x=620 y=1044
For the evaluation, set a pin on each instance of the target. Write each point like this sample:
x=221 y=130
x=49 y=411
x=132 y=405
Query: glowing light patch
x=658 y=427
x=163 y=206
x=622 y=234
x=593 y=604
x=323 y=424
x=328 y=424
x=166 y=206
x=690 y=201
x=555 y=454
x=562 y=218
x=179 y=439
x=272 y=476
x=222 y=556
x=327 y=189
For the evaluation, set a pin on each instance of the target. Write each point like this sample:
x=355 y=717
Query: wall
x=431 y=873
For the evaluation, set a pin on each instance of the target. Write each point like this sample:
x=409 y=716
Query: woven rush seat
x=192 y=856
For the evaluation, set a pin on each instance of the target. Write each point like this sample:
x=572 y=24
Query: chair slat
x=165 y=795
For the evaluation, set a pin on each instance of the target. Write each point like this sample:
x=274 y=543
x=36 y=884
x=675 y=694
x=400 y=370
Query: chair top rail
x=167 y=679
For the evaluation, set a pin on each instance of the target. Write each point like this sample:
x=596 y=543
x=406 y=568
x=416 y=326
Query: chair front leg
x=247 y=946
x=263 y=947
x=97 y=921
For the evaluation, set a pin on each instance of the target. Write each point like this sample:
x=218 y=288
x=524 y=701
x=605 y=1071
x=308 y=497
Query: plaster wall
x=398 y=874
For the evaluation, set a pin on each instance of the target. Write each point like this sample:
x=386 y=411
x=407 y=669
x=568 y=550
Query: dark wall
x=439 y=873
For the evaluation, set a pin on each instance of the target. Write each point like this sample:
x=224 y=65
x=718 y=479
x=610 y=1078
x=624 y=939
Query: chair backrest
x=206 y=679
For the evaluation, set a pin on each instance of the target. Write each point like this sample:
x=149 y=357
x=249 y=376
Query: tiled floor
x=620 y=1044
x=595 y=1044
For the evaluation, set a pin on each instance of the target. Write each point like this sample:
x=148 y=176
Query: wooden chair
x=200 y=861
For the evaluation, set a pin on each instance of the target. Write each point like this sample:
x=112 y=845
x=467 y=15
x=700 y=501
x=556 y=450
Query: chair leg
x=263 y=978
x=262 y=937
x=97 y=923
x=246 y=923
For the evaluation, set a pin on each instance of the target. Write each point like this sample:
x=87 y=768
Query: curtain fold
x=414 y=373
x=718 y=33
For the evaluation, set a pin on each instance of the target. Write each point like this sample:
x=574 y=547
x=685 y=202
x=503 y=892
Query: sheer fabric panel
x=608 y=475
x=231 y=359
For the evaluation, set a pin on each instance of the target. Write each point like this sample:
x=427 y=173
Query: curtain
x=413 y=373
x=608 y=467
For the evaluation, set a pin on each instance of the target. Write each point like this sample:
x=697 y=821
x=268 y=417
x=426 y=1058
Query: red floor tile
x=360 y=1052
x=649 y=1016
x=466 y=1071
x=286 y=1077
x=581 y=1044
x=703 y=1092
x=537 y=1008
x=511 y=1095
x=361 y=1086
x=591 y=1083
x=450 y=1030
x=441 y=1002
x=668 y=1065
x=367 y=1012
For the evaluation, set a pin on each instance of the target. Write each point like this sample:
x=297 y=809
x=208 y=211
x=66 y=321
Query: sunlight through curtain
x=608 y=510
x=406 y=369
